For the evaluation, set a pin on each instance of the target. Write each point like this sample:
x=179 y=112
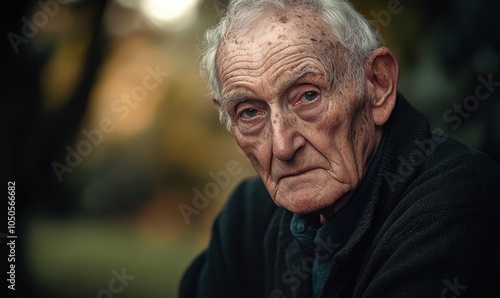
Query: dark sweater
x=429 y=229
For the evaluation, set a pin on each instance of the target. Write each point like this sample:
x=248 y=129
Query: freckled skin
x=311 y=155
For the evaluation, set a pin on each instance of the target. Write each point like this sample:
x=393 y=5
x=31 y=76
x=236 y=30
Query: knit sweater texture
x=429 y=229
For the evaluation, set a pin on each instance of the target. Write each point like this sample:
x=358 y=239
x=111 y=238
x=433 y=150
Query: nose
x=286 y=138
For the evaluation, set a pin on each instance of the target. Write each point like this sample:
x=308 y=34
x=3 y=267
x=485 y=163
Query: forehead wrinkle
x=249 y=66
x=227 y=55
x=231 y=75
x=259 y=70
x=309 y=68
x=234 y=83
x=273 y=73
x=231 y=100
x=254 y=64
x=248 y=91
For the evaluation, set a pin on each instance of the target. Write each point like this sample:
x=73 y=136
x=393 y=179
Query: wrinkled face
x=309 y=137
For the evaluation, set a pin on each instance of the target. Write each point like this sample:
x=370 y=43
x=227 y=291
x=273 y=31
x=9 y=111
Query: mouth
x=297 y=173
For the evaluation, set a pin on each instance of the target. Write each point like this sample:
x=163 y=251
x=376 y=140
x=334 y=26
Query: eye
x=249 y=113
x=309 y=96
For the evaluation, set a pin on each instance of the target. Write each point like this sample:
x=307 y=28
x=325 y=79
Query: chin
x=310 y=192
x=305 y=200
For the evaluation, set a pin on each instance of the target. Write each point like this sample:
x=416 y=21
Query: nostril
x=286 y=143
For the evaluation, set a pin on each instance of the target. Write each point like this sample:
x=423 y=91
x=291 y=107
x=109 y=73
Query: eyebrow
x=239 y=97
x=302 y=73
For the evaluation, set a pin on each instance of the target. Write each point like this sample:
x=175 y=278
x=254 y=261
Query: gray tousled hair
x=350 y=29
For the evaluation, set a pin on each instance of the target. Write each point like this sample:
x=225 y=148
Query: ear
x=382 y=71
x=215 y=100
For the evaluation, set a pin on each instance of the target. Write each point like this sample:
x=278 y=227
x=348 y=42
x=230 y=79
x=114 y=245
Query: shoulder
x=457 y=176
x=453 y=189
x=420 y=163
x=249 y=198
x=444 y=223
x=435 y=186
x=249 y=194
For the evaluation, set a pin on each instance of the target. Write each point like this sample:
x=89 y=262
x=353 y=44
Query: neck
x=327 y=213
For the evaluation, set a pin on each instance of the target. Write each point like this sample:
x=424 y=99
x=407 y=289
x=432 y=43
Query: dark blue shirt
x=325 y=240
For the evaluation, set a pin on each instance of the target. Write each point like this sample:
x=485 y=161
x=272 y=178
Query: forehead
x=292 y=35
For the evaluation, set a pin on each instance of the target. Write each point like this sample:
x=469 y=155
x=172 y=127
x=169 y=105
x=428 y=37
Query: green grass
x=75 y=258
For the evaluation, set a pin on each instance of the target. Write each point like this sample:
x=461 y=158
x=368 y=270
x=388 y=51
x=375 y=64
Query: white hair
x=351 y=30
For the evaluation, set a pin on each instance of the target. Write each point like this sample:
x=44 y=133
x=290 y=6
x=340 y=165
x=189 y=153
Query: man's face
x=307 y=135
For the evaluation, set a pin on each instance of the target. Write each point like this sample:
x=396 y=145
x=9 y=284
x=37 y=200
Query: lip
x=297 y=173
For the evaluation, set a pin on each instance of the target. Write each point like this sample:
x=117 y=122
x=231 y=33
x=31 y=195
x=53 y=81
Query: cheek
x=343 y=122
x=362 y=127
x=256 y=148
x=342 y=135
x=325 y=131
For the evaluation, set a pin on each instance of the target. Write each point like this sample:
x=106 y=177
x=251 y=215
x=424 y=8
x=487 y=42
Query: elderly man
x=356 y=196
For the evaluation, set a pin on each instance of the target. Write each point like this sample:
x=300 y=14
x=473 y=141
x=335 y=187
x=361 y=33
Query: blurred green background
x=116 y=82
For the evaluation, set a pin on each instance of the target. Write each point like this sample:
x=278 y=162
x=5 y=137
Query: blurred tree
x=36 y=137
x=443 y=47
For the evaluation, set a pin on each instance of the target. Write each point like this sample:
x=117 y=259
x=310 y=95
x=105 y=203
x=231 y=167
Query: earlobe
x=215 y=101
x=382 y=73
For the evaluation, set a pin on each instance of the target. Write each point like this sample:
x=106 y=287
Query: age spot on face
x=293 y=136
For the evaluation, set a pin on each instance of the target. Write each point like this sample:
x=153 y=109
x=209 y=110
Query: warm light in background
x=169 y=14
x=126 y=16
x=121 y=204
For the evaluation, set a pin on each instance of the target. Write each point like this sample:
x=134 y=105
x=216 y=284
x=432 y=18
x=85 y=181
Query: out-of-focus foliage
x=117 y=83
